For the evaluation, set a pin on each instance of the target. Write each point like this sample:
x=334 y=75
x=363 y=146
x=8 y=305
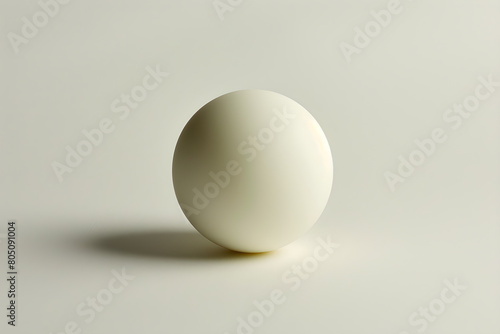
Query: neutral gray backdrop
x=116 y=210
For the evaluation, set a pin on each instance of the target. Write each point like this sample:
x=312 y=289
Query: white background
x=117 y=209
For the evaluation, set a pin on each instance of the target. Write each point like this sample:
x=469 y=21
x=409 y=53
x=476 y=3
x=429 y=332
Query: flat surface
x=396 y=252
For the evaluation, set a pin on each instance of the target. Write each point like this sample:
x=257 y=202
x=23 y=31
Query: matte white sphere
x=252 y=170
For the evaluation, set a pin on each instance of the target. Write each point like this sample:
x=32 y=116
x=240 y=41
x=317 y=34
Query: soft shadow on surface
x=163 y=244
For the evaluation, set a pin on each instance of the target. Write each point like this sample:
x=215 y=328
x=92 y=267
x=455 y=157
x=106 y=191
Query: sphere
x=252 y=170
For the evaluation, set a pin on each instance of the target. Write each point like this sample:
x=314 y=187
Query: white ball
x=252 y=170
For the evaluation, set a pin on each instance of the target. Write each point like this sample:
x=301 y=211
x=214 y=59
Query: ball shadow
x=186 y=245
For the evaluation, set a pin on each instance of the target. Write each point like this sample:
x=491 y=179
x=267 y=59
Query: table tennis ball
x=252 y=170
